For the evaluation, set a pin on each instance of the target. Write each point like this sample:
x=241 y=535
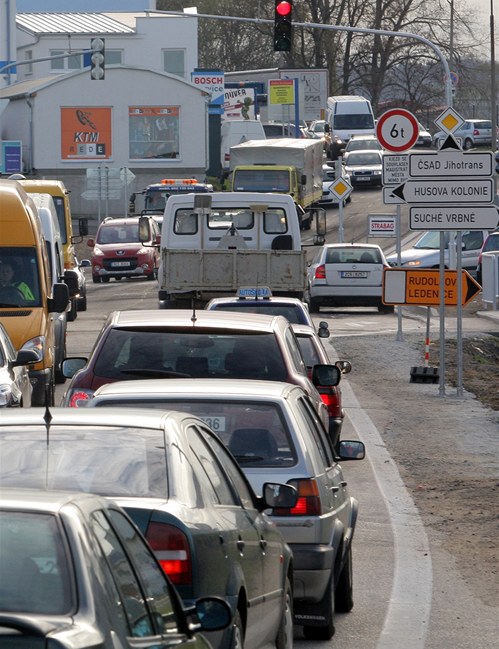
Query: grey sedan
x=75 y=573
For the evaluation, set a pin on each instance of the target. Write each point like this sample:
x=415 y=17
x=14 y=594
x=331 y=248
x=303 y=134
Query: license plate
x=353 y=274
x=120 y=264
x=217 y=424
x=362 y=178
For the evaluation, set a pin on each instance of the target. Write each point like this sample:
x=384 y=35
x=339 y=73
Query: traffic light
x=97 y=59
x=283 y=30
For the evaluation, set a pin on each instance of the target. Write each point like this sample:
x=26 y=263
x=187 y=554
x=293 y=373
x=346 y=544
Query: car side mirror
x=325 y=375
x=345 y=367
x=144 y=230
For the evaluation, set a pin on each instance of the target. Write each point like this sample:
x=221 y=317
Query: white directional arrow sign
x=451 y=163
x=453 y=217
x=458 y=190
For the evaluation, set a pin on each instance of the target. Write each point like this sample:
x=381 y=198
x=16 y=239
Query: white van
x=47 y=214
x=236 y=131
x=347 y=115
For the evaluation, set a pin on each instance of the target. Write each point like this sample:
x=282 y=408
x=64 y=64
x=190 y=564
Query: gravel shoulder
x=446 y=447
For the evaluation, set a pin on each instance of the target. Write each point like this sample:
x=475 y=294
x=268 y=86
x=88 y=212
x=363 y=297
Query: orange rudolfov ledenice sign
x=85 y=133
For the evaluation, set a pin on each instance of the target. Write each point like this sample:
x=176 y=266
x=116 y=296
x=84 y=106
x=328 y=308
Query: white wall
x=143 y=48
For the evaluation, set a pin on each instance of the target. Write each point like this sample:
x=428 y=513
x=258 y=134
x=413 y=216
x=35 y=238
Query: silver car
x=474 y=132
x=274 y=433
x=347 y=274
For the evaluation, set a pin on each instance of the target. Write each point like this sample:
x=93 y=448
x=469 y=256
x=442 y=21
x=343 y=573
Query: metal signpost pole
x=398 y=244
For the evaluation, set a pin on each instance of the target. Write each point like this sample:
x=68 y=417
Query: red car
x=118 y=252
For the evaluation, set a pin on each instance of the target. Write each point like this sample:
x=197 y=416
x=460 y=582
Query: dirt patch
x=446 y=448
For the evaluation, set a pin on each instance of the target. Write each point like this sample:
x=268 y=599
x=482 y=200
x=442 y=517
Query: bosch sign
x=213 y=82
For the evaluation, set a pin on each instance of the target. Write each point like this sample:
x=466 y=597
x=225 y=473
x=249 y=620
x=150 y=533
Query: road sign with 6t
x=397 y=130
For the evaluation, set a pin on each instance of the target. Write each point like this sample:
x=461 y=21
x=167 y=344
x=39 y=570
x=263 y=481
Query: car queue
x=257 y=446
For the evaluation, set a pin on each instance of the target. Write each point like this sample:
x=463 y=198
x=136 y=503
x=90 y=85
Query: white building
x=145 y=115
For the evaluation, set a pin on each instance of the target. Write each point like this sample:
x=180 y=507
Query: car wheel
x=284 y=638
x=324 y=608
x=151 y=277
x=71 y=314
x=104 y=280
x=118 y=279
x=59 y=377
x=237 y=640
x=81 y=305
x=96 y=279
x=343 y=597
x=468 y=144
x=314 y=306
x=386 y=308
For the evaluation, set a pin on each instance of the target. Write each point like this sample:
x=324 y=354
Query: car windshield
x=256 y=432
x=492 y=243
x=35 y=571
x=113 y=233
x=363 y=159
x=113 y=461
x=19 y=277
x=356 y=145
x=131 y=353
x=353 y=121
x=431 y=240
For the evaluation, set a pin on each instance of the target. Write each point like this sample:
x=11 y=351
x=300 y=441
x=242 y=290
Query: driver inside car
x=8 y=280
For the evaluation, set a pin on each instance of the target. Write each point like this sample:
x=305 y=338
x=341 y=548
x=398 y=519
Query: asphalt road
x=392 y=559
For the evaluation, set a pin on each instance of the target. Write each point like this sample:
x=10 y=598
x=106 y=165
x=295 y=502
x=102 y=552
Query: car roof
x=111 y=221
x=199 y=388
x=358 y=152
x=351 y=245
x=36 y=500
x=186 y=317
x=273 y=298
x=113 y=417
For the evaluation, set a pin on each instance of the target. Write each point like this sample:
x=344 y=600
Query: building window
x=153 y=132
x=174 y=62
x=65 y=64
x=28 y=56
x=114 y=57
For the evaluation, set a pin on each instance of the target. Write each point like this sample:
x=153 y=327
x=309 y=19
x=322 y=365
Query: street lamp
x=493 y=108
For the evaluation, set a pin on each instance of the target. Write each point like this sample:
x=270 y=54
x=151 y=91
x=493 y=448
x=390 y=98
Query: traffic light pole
x=338 y=28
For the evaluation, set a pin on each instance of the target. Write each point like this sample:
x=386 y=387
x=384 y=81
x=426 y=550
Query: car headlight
x=415 y=262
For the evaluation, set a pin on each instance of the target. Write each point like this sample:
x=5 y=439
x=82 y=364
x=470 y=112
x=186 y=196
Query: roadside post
x=397 y=131
x=342 y=189
x=449 y=190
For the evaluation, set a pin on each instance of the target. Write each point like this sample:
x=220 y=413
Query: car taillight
x=320 y=272
x=330 y=398
x=308 y=503
x=172 y=550
x=78 y=396
x=476 y=132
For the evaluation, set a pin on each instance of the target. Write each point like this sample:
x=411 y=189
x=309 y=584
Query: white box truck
x=283 y=165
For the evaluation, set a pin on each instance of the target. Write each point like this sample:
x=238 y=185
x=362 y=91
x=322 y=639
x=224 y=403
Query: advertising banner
x=86 y=133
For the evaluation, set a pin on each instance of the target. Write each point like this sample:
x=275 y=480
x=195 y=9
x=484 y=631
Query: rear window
x=492 y=243
x=35 y=573
x=353 y=255
x=255 y=432
x=132 y=353
x=293 y=314
x=112 y=461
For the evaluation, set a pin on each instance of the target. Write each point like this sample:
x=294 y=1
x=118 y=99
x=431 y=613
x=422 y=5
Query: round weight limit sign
x=397 y=130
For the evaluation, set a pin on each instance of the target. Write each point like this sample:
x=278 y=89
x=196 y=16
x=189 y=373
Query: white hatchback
x=347 y=274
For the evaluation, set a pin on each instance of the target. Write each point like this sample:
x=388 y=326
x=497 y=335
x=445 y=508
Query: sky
x=90 y=6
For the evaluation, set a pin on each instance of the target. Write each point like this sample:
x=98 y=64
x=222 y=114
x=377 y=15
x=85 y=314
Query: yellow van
x=28 y=300
x=60 y=196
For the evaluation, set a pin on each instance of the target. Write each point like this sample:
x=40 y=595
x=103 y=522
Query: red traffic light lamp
x=282 y=25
